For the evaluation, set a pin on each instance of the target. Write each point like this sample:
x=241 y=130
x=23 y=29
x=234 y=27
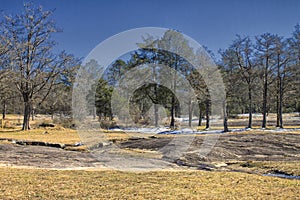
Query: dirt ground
x=153 y=152
x=240 y=147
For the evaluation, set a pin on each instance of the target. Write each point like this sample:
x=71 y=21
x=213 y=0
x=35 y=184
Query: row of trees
x=262 y=75
x=160 y=78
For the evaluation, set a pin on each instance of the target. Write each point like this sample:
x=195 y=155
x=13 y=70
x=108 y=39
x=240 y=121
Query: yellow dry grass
x=52 y=184
x=287 y=167
x=66 y=136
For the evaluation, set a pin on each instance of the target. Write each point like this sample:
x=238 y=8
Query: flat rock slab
x=55 y=158
x=229 y=147
x=240 y=147
x=44 y=157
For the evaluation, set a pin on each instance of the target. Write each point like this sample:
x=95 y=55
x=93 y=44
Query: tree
x=282 y=58
x=294 y=63
x=103 y=100
x=178 y=48
x=7 y=91
x=202 y=96
x=31 y=56
x=239 y=57
x=265 y=45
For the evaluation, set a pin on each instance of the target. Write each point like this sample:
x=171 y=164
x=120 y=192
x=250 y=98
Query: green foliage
x=103 y=99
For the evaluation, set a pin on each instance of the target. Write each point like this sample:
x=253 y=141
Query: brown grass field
x=81 y=184
x=23 y=182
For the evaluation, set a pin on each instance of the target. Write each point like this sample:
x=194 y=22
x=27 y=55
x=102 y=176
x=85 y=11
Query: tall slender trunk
x=52 y=112
x=190 y=113
x=4 y=110
x=200 y=117
x=156 y=115
x=156 y=98
x=94 y=112
x=250 y=106
x=32 y=113
x=278 y=93
x=207 y=104
x=172 y=123
x=279 y=96
x=225 y=124
x=265 y=95
x=27 y=111
x=280 y=106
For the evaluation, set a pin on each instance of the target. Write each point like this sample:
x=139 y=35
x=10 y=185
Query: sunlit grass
x=51 y=184
x=287 y=167
x=66 y=136
x=264 y=167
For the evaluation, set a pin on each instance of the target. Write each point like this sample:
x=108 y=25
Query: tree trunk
x=4 y=110
x=200 y=117
x=32 y=114
x=250 y=106
x=156 y=115
x=225 y=124
x=190 y=113
x=280 y=103
x=279 y=96
x=172 y=123
x=265 y=95
x=27 y=110
x=207 y=113
x=156 y=97
x=94 y=112
x=52 y=114
x=280 y=107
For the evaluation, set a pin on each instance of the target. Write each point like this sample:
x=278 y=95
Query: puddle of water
x=282 y=176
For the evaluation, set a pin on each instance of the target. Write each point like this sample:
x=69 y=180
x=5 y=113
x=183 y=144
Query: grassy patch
x=51 y=184
x=263 y=167
x=287 y=167
x=65 y=136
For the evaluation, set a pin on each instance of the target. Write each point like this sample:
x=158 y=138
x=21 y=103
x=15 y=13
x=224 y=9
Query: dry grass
x=51 y=184
x=264 y=167
x=67 y=136
x=287 y=167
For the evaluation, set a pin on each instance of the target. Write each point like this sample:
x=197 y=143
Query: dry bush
x=67 y=122
x=107 y=124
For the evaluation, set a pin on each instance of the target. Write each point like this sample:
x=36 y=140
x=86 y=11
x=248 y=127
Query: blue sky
x=213 y=23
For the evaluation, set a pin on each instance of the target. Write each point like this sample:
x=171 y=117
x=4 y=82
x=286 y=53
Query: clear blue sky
x=213 y=23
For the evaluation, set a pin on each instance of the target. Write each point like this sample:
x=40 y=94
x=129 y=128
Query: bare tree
x=6 y=91
x=265 y=45
x=31 y=55
x=240 y=57
x=294 y=64
x=282 y=57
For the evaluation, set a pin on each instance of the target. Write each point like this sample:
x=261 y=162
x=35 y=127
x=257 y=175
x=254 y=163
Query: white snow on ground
x=116 y=129
x=209 y=132
x=247 y=114
x=166 y=130
x=146 y=130
x=278 y=130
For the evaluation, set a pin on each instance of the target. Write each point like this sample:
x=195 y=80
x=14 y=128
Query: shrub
x=67 y=122
x=46 y=124
x=107 y=124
